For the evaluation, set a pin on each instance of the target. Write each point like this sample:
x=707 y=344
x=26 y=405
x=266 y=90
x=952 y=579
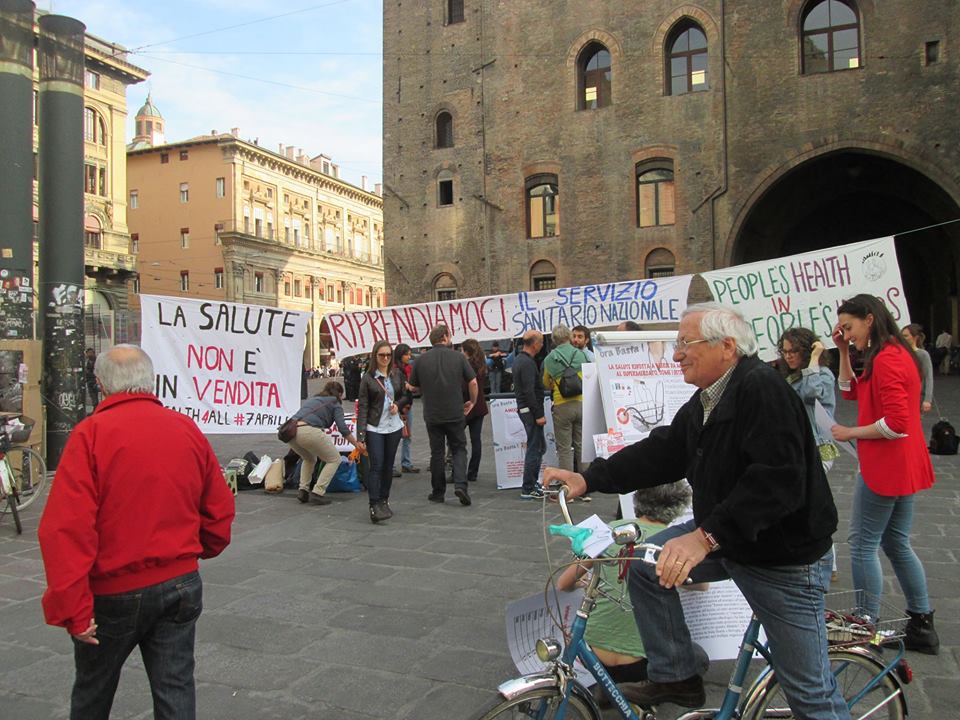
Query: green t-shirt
x=611 y=625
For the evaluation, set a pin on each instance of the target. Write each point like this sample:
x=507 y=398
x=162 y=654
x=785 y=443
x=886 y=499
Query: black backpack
x=569 y=384
x=943 y=439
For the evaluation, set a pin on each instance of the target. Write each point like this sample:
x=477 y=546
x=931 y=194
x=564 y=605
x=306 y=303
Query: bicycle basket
x=19 y=433
x=848 y=625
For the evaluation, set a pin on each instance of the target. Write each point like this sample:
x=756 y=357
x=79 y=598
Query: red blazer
x=138 y=496
x=899 y=466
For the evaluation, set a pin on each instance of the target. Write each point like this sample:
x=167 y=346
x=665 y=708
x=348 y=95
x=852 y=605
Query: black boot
x=920 y=635
x=385 y=508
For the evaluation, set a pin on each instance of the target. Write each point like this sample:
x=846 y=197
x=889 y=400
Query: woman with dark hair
x=800 y=352
x=913 y=334
x=894 y=462
x=312 y=443
x=383 y=397
x=402 y=359
x=478 y=361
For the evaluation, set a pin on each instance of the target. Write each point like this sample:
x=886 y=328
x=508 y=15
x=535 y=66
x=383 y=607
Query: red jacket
x=137 y=497
x=898 y=466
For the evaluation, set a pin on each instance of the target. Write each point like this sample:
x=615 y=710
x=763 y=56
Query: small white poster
x=510 y=441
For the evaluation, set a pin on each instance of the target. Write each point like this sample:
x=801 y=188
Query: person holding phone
x=894 y=462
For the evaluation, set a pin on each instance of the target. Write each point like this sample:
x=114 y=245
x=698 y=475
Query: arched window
x=687 y=59
x=543 y=275
x=444 y=130
x=655 y=193
x=92 y=232
x=543 y=206
x=593 y=68
x=659 y=263
x=94 y=129
x=445 y=287
x=830 y=36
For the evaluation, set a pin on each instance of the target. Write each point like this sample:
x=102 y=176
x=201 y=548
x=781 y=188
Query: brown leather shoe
x=687 y=693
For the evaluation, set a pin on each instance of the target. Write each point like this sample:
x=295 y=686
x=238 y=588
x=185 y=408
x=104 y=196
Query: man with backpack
x=563 y=376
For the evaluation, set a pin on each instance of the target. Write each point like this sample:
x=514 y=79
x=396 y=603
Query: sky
x=307 y=73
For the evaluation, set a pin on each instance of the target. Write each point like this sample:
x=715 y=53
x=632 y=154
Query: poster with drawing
x=640 y=384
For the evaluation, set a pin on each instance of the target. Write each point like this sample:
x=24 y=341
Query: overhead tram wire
x=237 y=25
x=260 y=80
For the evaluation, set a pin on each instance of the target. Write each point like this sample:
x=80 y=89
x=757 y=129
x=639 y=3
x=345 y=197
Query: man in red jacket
x=138 y=496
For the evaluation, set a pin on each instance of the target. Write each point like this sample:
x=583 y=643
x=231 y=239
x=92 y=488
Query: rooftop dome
x=148 y=109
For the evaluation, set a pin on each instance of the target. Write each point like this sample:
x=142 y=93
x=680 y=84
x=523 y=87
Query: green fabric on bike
x=611 y=626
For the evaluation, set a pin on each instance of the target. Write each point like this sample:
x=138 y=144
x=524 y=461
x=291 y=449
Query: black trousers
x=475 y=426
x=452 y=434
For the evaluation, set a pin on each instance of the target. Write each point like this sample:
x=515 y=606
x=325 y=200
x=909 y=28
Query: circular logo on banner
x=874 y=266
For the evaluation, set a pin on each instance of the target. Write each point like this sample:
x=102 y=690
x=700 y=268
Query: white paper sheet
x=825 y=422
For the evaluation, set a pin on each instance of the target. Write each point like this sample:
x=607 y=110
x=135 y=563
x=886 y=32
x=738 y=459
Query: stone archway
x=853 y=194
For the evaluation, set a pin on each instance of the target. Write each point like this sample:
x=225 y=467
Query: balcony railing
x=250 y=230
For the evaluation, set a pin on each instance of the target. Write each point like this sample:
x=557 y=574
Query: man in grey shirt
x=440 y=375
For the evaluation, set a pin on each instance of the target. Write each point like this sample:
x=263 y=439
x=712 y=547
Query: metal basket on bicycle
x=848 y=625
x=12 y=434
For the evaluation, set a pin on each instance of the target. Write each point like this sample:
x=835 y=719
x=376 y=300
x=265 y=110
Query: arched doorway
x=850 y=195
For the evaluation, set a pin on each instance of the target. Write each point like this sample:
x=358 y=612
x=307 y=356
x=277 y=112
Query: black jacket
x=528 y=384
x=758 y=484
x=370 y=400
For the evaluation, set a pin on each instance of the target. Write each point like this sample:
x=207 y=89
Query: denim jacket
x=816 y=384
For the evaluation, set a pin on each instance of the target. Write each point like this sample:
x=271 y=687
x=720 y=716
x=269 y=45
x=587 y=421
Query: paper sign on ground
x=529 y=621
x=510 y=441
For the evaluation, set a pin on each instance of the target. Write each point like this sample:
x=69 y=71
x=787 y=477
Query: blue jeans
x=382 y=449
x=161 y=619
x=788 y=600
x=880 y=521
x=496 y=379
x=536 y=447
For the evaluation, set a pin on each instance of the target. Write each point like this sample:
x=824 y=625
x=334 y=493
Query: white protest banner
x=510 y=441
x=659 y=300
x=642 y=387
x=805 y=290
x=232 y=368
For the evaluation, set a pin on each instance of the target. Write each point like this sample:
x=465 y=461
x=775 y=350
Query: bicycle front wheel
x=29 y=474
x=853 y=672
x=540 y=704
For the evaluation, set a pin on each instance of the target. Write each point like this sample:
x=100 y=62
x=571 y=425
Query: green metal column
x=16 y=170
x=61 y=226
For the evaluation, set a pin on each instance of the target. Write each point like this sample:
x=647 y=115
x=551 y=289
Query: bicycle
x=23 y=473
x=868 y=684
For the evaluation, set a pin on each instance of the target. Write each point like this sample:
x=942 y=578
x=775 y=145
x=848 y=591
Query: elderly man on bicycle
x=763 y=516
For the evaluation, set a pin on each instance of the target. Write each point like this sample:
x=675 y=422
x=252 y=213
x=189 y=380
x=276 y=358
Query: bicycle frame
x=577 y=648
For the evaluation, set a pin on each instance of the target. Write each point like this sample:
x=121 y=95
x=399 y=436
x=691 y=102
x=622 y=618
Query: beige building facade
x=217 y=217
x=109 y=263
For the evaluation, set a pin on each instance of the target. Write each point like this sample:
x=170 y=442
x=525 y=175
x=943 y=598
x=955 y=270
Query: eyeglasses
x=791 y=353
x=682 y=345
x=385 y=355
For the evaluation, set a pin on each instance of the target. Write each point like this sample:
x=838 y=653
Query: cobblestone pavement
x=313 y=612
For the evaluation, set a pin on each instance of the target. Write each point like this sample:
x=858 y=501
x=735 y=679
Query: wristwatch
x=710 y=540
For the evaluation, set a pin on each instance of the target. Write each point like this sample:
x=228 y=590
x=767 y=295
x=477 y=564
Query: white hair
x=561 y=334
x=124 y=368
x=719 y=322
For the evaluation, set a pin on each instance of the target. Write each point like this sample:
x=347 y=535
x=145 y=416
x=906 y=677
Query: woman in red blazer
x=894 y=462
